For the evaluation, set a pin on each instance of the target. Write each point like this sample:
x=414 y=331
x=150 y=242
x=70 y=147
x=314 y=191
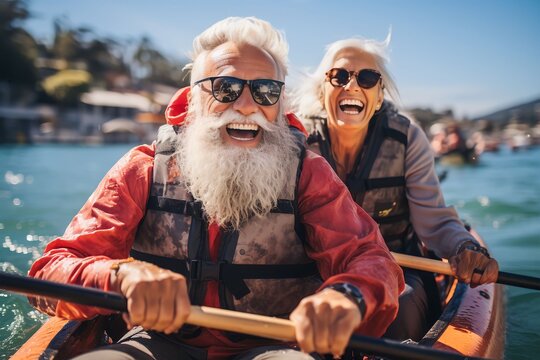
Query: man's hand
x=325 y=321
x=157 y=299
x=474 y=267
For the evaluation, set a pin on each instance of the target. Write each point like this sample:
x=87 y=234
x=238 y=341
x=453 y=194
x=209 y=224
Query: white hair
x=308 y=97
x=248 y=30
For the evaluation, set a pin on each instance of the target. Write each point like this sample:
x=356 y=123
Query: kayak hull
x=472 y=323
x=62 y=339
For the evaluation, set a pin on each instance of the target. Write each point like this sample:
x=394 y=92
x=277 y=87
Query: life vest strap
x=395 y=134
x=357 y=185
x=172 y=264
x=284 y=207
x=232 y=275
x=161 y=203
x=391 y=218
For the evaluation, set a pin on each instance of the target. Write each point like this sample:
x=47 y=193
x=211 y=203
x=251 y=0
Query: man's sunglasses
x=366 y=78
x=227 y=89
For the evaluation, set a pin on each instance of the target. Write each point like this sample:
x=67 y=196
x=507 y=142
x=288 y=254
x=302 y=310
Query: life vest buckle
x=200 y=270
x=194 y=208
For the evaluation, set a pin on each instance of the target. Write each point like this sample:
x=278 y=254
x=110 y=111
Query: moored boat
x=458 y=158
x=472 y=323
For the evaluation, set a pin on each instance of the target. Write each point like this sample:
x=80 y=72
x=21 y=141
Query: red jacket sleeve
x=103 y=230
x=347 y=245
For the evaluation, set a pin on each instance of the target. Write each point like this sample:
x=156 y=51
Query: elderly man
x=238 y=212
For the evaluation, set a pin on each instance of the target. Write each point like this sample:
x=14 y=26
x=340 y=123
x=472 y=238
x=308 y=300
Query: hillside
x=528 y=112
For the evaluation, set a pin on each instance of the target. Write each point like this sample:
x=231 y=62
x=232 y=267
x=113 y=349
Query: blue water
x=42 y=188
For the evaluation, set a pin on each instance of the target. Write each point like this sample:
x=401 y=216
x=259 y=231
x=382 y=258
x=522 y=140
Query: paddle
x=251 y=324
x=441 y=267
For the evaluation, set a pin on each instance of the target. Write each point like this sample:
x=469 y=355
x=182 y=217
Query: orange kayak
x=472 y=323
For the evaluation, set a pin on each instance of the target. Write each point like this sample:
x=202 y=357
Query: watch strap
x=352 y=293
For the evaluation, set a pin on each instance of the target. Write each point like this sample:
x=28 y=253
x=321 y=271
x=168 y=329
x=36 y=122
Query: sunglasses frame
x=354 y=74
x=243 y=83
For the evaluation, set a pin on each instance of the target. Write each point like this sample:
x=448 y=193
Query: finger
x=491 y=272
x=302 y=319
x=479 y=264
x=340 y=334
x=476 y=277
x=321 y=324
x=125 y=317
x=136 y=307
x=166 y=309
x=152 y=308
x=182 y=308
x=467 y=262
x=453 y=261
x=460 y=267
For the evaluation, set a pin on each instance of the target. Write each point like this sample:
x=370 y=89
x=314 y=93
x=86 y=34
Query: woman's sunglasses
x=227 y=89
x=366 y=78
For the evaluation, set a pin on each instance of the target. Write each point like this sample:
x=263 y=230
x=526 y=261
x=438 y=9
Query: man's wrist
x=352 y=293
x=114 y=269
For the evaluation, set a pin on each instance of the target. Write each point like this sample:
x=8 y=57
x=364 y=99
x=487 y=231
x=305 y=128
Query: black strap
x=233 y=275
x=178 y=266
x=207 y=270
x=377 y=183
x=161 y=203
x=384 y=182
x=396 y=135
x=299 y=227
x=391 y=238
x=284 y=207
x=391 y=218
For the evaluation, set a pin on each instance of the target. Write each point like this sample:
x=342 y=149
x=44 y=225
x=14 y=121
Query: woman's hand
x=325 y=321
x=157 y=299
x=473 y=266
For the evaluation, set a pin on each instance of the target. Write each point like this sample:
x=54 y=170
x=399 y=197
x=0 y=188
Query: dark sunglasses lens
x=339 y=77
x=265 y=92
x=368 y=78
x=227 y=89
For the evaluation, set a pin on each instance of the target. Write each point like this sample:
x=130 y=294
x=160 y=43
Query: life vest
x=377 y=182
x=262 y=268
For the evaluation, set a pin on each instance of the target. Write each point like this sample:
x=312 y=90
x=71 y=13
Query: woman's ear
x=380 y=97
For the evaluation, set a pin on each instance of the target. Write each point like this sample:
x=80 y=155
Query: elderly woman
x=386 y=162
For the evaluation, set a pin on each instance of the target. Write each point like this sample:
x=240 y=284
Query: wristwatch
x=352 y=293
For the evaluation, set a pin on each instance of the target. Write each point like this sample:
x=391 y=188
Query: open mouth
x=243 y=132
x=351 y=106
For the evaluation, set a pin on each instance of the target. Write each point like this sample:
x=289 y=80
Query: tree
x=152 y=66
x=66 y=86
x=17 y=46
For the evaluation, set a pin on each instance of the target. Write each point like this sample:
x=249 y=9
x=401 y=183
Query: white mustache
x=230 y=116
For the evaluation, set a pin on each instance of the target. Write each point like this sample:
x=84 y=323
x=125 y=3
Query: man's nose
x=245 y=103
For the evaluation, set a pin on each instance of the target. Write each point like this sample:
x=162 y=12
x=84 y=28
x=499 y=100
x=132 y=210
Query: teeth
x=235 y=126
x=351 y=102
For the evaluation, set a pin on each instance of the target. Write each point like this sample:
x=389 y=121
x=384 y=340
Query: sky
x=471 y=56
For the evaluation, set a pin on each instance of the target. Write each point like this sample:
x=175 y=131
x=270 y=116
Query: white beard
x=235 y=183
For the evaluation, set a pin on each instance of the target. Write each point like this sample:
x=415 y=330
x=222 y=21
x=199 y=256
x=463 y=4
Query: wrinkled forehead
x=241 y=60
x=355 y=59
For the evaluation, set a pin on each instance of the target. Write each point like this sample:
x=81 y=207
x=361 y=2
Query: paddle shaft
x=251 y=324
x=441 y=267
